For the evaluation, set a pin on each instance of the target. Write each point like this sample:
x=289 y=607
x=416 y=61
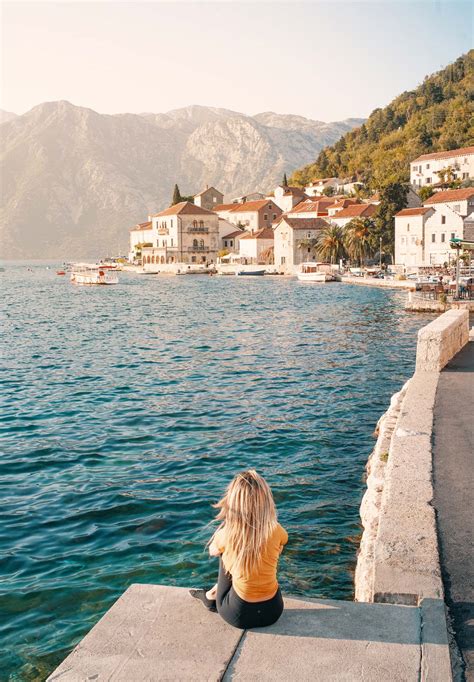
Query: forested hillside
x=435 y=116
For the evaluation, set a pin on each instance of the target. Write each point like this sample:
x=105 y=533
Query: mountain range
x=74 y=180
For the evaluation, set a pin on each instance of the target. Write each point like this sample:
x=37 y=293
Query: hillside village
x=292 y=225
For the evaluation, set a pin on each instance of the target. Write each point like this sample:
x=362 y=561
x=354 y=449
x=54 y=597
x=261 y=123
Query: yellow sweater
x=262 y=583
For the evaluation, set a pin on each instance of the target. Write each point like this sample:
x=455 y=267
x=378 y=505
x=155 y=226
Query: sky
x=323 y=60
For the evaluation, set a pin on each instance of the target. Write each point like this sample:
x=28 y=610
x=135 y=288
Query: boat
x=92 y=274
x=60 y=272
x=316 y=272
x=193 y=269
x=250 y=272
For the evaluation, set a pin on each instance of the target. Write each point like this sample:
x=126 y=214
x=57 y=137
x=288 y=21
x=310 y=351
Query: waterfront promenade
x=453 y=448
x=160 y=633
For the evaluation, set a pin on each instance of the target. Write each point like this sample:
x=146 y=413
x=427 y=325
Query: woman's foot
x=210 y=604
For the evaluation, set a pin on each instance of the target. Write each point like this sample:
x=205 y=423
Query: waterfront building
x=295 y=240
x=343 y=217
x=422 y=235
x=317 y=186
x=254 y=215
x=254 y=244
x=424 y=170
x=288 y=197
x=183 y=233
x=209 y=198
x=140 y=235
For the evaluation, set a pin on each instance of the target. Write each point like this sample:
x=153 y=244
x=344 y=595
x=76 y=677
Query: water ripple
x=124 y=411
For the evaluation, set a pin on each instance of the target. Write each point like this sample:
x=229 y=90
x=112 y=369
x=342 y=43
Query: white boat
x=92 y=274
x=316 y=272
x=250 y=272
x=193 y=269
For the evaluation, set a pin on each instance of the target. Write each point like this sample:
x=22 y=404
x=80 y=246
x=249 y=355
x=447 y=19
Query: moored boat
x=250 y=271
x=92 y=274
x=316 y=272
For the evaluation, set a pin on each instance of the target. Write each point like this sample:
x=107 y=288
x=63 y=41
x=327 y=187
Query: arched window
x=201 y=243
x=201 y=223
x=195 y=223
x=195 y=243
x=153 y=259
x=162 y=259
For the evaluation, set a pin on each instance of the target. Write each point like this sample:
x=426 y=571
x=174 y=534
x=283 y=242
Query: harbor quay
x=408 y=621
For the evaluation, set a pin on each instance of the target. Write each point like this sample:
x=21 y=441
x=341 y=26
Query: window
x=309 y=250
x=163 y=242
x=265 y=216
x=433 y=238
x=413 y=240
x=402 y=240
x=274 y=216
x=214 y=199
x=282 y=260
x=443 y=220
x=201 y=223
x=465 y=176
x=457 y=208
x=408 y=227
x=201 y=243
x=195 y=223
x=171 y=241
x=195 y=243
x=193 y=259
x=443 y=237
x=427 y=166
x=225 y=242
x=428 y=181
x=308 y=235
x=453 y=235
x=171 y=222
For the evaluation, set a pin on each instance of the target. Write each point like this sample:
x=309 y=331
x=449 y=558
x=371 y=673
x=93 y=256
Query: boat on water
x=60 y=272
x=193 y=269
x=93 y=274
x=250 y=271
x=316 y=272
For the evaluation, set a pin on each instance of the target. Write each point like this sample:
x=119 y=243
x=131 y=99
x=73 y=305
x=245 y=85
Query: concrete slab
x=152 y=632
x=155 y=633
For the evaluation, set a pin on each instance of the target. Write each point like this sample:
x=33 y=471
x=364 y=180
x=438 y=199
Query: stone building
x=254 y=215
x=424 y=170
x=294 y=241
x=209 y=198
x=183 y=233
x=288 y=197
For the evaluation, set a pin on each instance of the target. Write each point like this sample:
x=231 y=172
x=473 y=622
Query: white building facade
x=424 y=169
x=294 y=239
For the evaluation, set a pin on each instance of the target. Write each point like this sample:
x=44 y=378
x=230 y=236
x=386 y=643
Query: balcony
x=202 y=230
x=163 y=230
x=198 y=249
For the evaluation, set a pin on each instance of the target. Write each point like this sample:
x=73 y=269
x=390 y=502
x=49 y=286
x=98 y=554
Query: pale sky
x=324 y=60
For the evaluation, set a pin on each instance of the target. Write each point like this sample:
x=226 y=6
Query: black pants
x=244 y=614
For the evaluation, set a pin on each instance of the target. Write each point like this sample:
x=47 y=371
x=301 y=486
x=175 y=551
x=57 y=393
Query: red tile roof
x=234 y=235
x=356 y=211
x=445 y=155
x=343 y=203
x=297 y=191
x=312 y=206
x=184 y=208
x=264 y=233
x=451 y=195
x=141 y=226
x=224 y=207
x=413 y=211
x=249 y=206
x=304 y=223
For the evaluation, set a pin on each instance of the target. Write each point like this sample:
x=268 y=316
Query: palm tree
x=330 y=244
x=308 y=244
x=359 y=239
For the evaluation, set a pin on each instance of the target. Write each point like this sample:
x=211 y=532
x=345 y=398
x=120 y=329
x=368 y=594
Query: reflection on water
x=126 y=410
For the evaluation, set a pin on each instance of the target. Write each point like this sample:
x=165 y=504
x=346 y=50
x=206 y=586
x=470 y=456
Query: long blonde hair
x=248 y=515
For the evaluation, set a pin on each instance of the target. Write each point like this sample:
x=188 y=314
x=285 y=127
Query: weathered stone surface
x=332 y=640
x=440 y=340
x=152 y=632
x=155 y=633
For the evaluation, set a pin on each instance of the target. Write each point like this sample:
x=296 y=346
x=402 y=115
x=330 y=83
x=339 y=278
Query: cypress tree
x=176 y=196
x=285 y=180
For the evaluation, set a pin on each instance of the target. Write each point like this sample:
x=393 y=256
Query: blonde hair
x=248 y=515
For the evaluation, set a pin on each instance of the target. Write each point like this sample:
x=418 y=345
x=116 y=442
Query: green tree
x=177 y=198
x=284 y=182
x=359 y=239
x=328 y=191
x=393 y=198
x=330 y=244
x=425 y=192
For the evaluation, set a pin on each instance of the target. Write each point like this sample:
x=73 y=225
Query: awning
x=457 y=243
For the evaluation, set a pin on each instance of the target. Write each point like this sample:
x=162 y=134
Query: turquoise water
x=124 y=412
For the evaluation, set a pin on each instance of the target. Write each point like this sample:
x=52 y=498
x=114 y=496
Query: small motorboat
x=60 y=272
x=316 y=272
x=92 y=274
x=250 y=271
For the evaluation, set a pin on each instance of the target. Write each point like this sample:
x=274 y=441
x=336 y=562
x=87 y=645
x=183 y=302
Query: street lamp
x=380 y=254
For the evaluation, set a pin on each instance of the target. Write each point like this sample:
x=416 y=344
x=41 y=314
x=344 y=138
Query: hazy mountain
x=6 y=116
x=74 y=181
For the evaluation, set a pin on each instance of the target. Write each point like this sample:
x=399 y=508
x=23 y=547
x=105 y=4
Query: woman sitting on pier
x=249 y=542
